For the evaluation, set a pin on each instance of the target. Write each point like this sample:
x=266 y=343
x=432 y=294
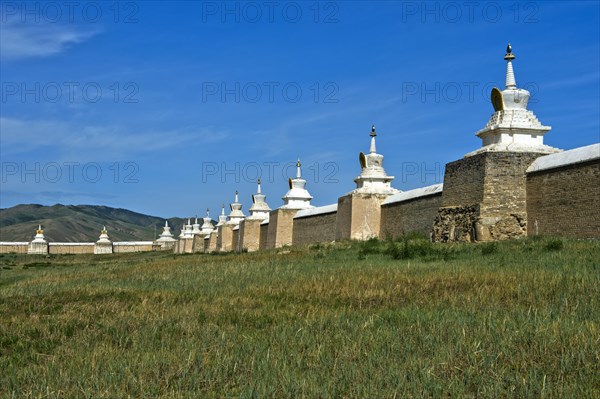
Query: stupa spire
x=373 y=148
x=258 y=189
x=511 y=83
x=298 y=171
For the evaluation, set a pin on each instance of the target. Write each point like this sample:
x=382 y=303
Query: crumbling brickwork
x=493 y=184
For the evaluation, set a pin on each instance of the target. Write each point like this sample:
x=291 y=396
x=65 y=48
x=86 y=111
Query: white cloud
x=20 y=136
x=20 y=40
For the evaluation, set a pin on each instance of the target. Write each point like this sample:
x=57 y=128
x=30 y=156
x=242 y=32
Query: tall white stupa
x=512 y=127
x=236 y=215
x=259 y=209
x=373 y=179
x=222 y=217
x=297 y=197
x=166 y=236
x=207 y=226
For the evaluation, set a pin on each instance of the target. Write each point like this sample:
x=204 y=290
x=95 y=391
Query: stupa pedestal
x=484 y=195
x=225 y=237
x=210 y=243
x=359 y=211
x=39 y=245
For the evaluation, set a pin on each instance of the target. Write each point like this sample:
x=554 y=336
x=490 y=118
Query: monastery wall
x=315 y=225
x=136 y=246
x=410 y=211
x=70 y=248
x=13 y=247
x=563 y=194
x=264 y=231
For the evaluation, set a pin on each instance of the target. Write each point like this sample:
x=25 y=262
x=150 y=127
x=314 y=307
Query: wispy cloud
x=113 y=141
x=19 y=40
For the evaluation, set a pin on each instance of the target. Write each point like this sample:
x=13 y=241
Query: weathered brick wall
x=315 y=228
x=66 y=248
x=124 y=247
x=564 y=201
x=494 y=185
x=235 y=240
x=16 y=248
x=212 y=242
x=359 y=216
x=225 y=238
x=281 y=223
x=264 y=231
x=417 y=214
x=463 y=181
x=249 y=235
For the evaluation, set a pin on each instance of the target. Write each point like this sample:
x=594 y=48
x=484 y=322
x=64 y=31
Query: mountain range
x=81 y=223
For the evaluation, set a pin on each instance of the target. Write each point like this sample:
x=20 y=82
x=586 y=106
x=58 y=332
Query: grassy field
x=374 y=319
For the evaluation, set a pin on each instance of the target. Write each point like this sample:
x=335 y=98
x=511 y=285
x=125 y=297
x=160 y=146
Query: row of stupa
x=512 y=128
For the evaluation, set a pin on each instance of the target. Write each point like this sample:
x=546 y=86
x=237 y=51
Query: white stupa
x=196 y=226
x=297 y=197
x=39 y=237
x=103 y=239
x=207 y=226
x=259 y=209
x=373 y=179
x=166 y=236
x=512 y=127
x=222 y=217
x=186 y=230
x=236 y=215
x=39 y=245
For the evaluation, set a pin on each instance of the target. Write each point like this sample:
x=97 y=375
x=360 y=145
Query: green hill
x=80 y=223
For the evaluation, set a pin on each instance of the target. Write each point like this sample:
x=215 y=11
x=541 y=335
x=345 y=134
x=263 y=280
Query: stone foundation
x=484 y=198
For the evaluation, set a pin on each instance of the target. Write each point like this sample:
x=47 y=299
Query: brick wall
x=250 y=235
x=564 y=201
x=280 y=233
x=16 y=248
x=264 y=231
x=416 y=214
x=315 y=228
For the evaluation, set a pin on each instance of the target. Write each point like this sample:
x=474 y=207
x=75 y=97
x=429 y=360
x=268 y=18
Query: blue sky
x=168 y=108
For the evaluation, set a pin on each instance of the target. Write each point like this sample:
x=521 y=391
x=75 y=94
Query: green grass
x=376 y=319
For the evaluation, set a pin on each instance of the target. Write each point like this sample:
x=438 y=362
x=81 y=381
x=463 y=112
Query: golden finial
x=373 y=133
